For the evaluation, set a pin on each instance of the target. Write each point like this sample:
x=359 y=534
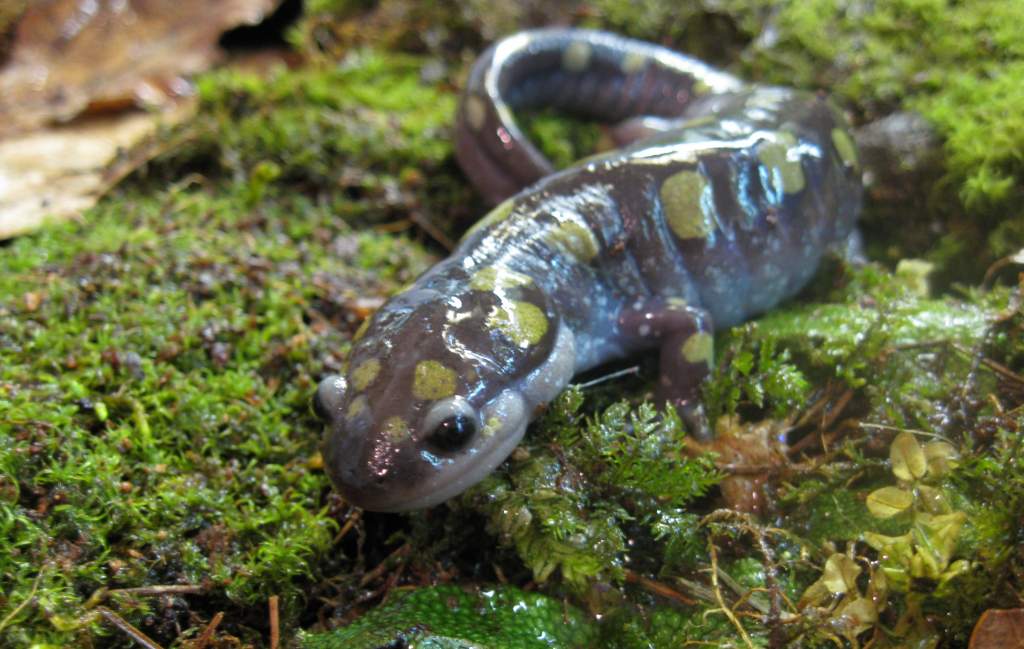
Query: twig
x=32 y=593
x=721 y=600
x=744 y=596
x=771 y=580
x=1002 y=370
x=432 y=230
x=697 y=589
x=275 y=628
x=828 y=418
x=128 y=629
x=350 y=522
x=658 y=588
x=170 y=589
x=393 y=226
x=833 y=414
x=207 y=634
x=103 y=593
x=897 y=429
x=383 y=565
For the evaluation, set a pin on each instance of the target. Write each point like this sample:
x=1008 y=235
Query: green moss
x=448 y=616
x=664 y=628
x=563 y=508
x=367 y=133
x=976 y=115
x=563 y=140
x=906 y=352
x=717 y=35
x=154 y=381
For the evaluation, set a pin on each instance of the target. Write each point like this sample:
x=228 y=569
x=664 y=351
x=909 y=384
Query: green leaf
x=855 y=616
x=841 y=574
x=941 y=457
x=908 y=460
x=889 y=501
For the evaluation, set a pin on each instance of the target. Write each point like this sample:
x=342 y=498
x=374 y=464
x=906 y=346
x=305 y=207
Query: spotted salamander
x=719 y=204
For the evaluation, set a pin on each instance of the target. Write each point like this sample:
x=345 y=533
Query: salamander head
x=438 y=392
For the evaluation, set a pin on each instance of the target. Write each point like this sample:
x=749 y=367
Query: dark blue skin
x=720 y=205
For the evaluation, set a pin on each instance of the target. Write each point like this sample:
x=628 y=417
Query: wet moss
x=154 y=382
x=449 y=616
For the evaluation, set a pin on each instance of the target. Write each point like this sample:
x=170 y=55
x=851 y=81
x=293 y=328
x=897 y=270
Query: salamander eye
x=450 y=424
x=453 y=433
x=328 y=397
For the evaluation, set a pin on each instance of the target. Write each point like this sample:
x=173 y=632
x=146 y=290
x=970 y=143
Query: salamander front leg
x=684 y=334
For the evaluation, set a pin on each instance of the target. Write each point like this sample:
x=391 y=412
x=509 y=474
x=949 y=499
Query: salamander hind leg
x=684 y=335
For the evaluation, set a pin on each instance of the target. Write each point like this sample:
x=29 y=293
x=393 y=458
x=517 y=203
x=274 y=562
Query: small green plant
x=923 y=555
x=926 y=550
x=579 y=482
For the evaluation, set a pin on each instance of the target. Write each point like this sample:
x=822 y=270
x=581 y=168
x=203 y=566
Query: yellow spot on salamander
x=696 y=122
x=682 y=198
x=777 y=157
x=496 y=277
x=574 y=239
x=432 y=380
x=633 y=62
x=356 y=408
x=491 y=426
x=365 y=374
x=476 y=112
x=844 y=147
x=495 y=216
x=576 y=57
x=396 y=429
x=524 y=323
x=699 y=348
x=361 y=331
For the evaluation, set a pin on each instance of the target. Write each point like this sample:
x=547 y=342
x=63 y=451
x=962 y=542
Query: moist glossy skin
x=719 y=206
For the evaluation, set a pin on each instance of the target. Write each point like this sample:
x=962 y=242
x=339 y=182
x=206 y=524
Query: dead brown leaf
x=54 y=174
x=999 y=629
x=67 y=54
x=64 y=57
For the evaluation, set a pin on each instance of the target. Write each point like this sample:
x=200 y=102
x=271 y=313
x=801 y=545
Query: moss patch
x=496 y=618
x=156 y=361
